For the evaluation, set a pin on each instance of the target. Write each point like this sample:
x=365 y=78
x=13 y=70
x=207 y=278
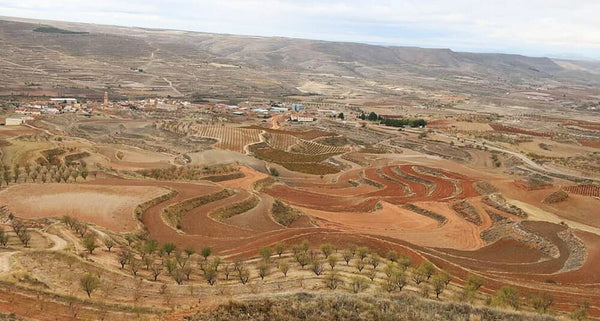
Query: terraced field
x=228 y=137
x=586 y=190
x=394 y=184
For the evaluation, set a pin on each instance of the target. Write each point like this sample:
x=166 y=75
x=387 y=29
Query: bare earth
x=108 y=206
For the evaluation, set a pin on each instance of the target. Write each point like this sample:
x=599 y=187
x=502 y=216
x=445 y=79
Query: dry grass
x=317 y=307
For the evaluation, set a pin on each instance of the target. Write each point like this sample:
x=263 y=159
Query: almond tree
x=265 y=253
x=279 y=248
x=124 y=258
x=134 y=265
x=3 y=237
x=347 y=255
x=206 y=252
x=169 y=248
x=210 y=275
x=263 y=269
x=332 y=281
x=317 y=267
x=327 y=249
x=89 y=283
x=332 y=260
x=244 y=274
x=156 y=269
x=90 y=243
x=109 y=243
x=284 y=267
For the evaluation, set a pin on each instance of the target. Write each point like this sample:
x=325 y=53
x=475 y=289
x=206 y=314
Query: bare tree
x=134 y=266
x=227 y=270
x=124 y=258
x=244 y=274
x=362 y=252
x=360 y=265
x=332 y=281
x=317 y=267
x=374 y=260
x=156 y=269
x=178 y=276
x=372 y=274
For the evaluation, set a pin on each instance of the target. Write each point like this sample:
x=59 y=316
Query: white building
x=302 y=118
x=279 y=109
x=62 y=100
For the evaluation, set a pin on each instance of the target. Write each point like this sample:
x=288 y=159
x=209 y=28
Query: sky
x=555 y=28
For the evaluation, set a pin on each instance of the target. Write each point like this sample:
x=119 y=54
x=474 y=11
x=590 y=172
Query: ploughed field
x=463 y=221
x=412 y=208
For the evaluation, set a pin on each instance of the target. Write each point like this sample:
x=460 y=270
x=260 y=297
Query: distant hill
x=58 y=30
x=42 y=57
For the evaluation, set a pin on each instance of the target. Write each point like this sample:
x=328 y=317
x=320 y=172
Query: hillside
x=304 y=306
x=85 y=59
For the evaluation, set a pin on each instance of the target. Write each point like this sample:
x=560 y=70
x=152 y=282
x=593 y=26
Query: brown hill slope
x=139 y=61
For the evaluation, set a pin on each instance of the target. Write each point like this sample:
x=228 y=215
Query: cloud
x=526 y=26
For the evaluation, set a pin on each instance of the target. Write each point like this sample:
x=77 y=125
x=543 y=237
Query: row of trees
x=18 y=226
x=394 y=122
x=394 y=271
x=45 y=173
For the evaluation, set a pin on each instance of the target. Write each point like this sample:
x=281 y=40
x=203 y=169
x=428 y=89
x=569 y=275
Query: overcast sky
x=533 y=27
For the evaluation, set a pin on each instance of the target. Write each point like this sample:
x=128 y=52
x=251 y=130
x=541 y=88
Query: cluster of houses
x=292 y=111
x=52 y=107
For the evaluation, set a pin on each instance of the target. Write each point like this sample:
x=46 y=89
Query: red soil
x=345 y=216
x=585 y=190
x=510 y=129
x=438 y=123
x=197 y=221
x=109 y=206
x=590 y=143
